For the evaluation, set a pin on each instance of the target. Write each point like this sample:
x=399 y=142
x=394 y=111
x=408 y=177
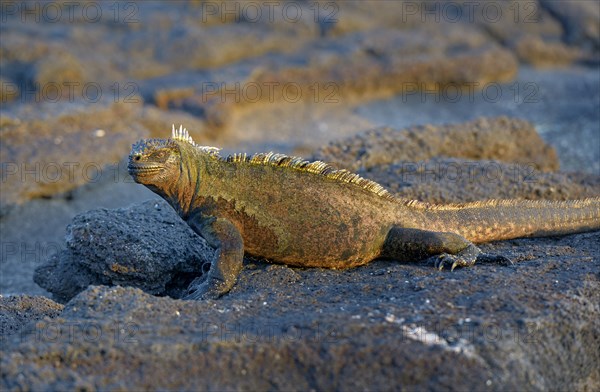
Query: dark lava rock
x=384 y=326
x=502 y=138
x=65 y=277
x=17 y=311
x=146 y=246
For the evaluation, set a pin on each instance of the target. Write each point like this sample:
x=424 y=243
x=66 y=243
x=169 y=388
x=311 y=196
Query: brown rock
x=355 y=68
x=541 y=33
x=60 y=76
x=538 y=52
x=18 y=311
x=9 y=91
x=53 y=148
x=502 y=138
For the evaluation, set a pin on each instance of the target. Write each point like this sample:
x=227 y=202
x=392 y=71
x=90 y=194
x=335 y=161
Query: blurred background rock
x=288 y=75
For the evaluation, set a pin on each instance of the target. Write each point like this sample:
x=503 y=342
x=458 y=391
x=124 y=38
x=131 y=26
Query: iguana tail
x=505 y=219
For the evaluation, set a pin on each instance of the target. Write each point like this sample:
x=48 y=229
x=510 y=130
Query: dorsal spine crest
x=182 y=135
x=282 y=160
x=317 y=167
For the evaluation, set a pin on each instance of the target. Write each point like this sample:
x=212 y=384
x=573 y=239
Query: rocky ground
x=459 y=107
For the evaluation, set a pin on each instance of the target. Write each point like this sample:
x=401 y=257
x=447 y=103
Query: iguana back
x=316 y=218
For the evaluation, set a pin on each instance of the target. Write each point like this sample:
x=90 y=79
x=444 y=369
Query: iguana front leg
x=447 y=249
x=224 y=270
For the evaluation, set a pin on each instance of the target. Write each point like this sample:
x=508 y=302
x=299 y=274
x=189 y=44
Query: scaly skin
x=309 y=215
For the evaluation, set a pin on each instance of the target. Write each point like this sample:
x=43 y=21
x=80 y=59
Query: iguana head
x=159 y=163
x=154 y=161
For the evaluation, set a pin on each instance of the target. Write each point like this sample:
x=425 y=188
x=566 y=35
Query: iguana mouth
x=141 y=169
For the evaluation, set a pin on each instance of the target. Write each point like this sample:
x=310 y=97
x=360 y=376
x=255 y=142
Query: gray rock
x=65 y=277
x=146 y=246
x=579 y=20
x=453 y=180
x=384 y=326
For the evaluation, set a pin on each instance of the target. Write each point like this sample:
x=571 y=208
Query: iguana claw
x=452 y=261
x=464 y=258
x=203 y=291
x=467 y=258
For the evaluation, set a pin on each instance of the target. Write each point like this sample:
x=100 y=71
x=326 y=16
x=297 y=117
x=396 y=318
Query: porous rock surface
x=483 y=138
x=18 y=311
x=532 y=326
x=146 y=246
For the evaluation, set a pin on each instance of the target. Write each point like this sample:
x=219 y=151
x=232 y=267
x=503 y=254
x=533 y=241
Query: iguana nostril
x=137 y=157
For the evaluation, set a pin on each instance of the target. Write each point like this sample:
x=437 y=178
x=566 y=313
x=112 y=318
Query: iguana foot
x=210 y=289
x=465 y=258
x=227 y=264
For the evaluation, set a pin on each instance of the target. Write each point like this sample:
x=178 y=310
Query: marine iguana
x=309 y=214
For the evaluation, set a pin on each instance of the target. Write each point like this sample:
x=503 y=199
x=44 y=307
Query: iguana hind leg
x=445 y=249
x=225 y=269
